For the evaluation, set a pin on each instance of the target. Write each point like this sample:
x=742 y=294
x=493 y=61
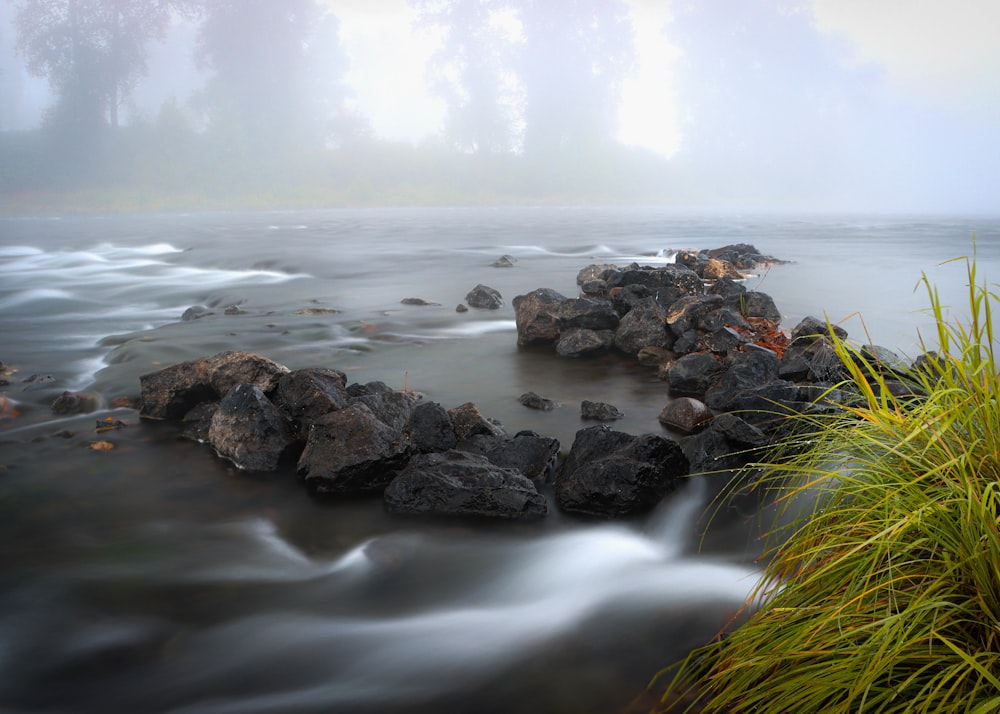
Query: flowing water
x=157 y=578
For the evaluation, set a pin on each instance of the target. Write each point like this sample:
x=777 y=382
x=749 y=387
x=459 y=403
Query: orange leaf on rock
x=101 y=446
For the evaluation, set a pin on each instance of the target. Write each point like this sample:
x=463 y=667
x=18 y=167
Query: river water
x=156 y=577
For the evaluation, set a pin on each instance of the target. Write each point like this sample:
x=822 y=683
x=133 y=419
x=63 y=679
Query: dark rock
x=172 y=392
x=726 y=443
x=612 y=474
x=811 y=359
x=352 y=451
x=457 y=483
x=727 y=287
x=643 y=326
x=744 y=370
x=76 y=403
x=417 y=301
x=724 y=316
x=504 y=261
x=812 y=327
x=666 y=283
x=234 y=310
x=196 y=423
x=533 y=455
x=714 y=269
x=599 y=411
x=594 y=288
x=685 y=414
x=655 y=356
x=594 y=272
x=536 y=401
x=230 y=368
x=430 y=428
x=579 y=341
x=484 y=297
x=686 y=312
x=390 y=405
x=587 y=313
x=468 y=421
x=742 y=255
x=693 y=374
x=195 y=312
x=461 y=308
x=248 y=430
x=537 y=316
x=723 y=341
x=305 y=395
x=754 y=304
x=627 y=297
x=769 y=405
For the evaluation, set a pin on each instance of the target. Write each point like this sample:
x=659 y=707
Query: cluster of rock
x=731 y=375
x=347 y=439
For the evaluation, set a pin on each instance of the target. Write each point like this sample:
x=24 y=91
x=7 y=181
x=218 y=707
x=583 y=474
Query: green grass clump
x=882 y=588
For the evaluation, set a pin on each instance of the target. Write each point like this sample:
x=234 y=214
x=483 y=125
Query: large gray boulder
x=643 y=326
x=537 y=316
x=612 y=474
x=250 y=431
x=352 y=451
x=305 y=395
x=458 y=483
x=173 y=391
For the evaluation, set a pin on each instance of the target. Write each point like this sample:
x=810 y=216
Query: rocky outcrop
x=457 y=483
x=613 y=474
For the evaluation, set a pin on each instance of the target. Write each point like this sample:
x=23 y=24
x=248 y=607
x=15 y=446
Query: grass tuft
x=881 y=591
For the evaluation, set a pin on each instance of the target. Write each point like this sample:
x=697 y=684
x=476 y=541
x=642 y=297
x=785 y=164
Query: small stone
x=535 y=401
x=599 y=411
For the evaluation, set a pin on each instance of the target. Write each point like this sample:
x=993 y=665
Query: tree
x=576 y=54
x=473 y=72
x=277 y=73
x=567 y=60
x=93 y=52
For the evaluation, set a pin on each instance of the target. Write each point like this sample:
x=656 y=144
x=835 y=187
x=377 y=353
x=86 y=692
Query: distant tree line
x=532 y=89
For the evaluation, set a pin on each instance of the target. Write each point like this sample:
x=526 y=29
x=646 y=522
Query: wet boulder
x=172 y=392
x=754 y=304
x=810 y=327
x=537 y=316
x=685 y=414
x=76 y=403
x=811 y=358
x=744 y=371
x=579 y=341
x=249 y=430
x=612 y=474
x=392 y=406
x=484 y=297
x=305 y=395
x=468 y=421
x=686 y=313
x=430 y=428
x=643 y=326
x=599 y=411
x=768 y=406
x=714 y=269
x=666 y=283
x=458 y=483
x=229 y=368
x=587 y=313
x=693 y=374
x=352 y=451
x=726 y=443
x=533 y=455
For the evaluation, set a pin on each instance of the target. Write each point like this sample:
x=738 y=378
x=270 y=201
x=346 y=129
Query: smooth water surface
x=158 y=578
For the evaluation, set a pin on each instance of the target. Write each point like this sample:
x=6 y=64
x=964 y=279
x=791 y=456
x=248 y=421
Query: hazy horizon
x=771 y=104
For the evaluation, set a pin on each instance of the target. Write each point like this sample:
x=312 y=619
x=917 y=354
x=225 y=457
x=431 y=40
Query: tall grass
x=882 y=588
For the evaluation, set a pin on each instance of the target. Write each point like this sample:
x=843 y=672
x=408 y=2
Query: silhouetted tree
x=473 y=72
x=576 y=55
x=93 y=52
x=277 y=73
x=557 y=81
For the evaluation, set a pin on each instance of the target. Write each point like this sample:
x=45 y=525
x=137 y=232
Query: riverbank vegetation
x=882 y=588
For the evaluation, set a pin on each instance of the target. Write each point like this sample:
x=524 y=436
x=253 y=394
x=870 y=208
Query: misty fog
x=771 y=104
